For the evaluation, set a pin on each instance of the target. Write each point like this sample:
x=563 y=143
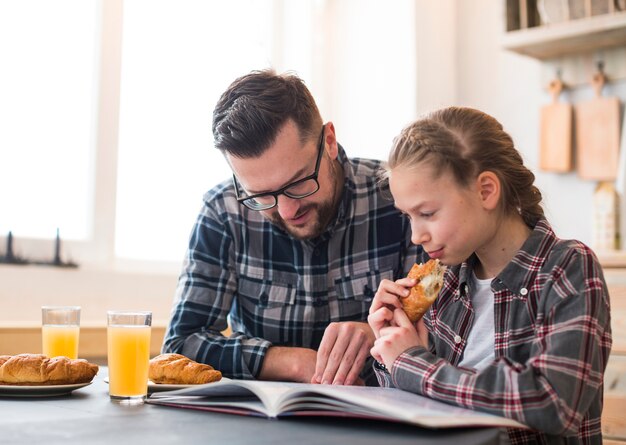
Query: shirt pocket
x=264 y=308
x=266 y=294
x=354 y=295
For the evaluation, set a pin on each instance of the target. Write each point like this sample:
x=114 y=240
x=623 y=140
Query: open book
x=279 y=399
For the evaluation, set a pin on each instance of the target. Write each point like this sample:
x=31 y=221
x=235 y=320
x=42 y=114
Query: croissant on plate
x=180 y=370
x=37 y=369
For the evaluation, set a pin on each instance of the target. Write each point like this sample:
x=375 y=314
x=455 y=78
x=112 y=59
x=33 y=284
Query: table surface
x=88 y=417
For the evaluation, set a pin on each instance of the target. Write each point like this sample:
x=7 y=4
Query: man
x=291 y=249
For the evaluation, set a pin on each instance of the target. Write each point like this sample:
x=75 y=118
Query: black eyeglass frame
x=283 y=190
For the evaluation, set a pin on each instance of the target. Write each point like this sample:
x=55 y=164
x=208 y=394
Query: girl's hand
x=380 y=319
x=422 y=333
x=387 y=297
x=398 y=336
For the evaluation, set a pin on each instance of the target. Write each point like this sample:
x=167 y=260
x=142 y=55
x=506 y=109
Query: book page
x=393 y=403
x=269 y=394
x=286 y=398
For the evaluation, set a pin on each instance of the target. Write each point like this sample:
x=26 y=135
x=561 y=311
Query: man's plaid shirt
x=281 y=291
x=552 y=343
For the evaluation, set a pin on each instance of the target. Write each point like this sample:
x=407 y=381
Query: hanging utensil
x=597 y=134
x=555 y=148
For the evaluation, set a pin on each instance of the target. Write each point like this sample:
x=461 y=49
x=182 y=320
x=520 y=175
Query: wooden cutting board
x=555 y=147
x=597 y=135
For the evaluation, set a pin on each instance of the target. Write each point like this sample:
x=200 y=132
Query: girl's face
x=449 y=221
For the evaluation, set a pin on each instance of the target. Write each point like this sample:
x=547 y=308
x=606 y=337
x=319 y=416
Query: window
x=177 y=58
x=106 y=109
x=47 y=86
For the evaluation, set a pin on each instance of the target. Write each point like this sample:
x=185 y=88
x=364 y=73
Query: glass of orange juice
x=60 y=329
x=128 y=353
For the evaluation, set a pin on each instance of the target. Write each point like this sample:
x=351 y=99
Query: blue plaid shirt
x=278 y=290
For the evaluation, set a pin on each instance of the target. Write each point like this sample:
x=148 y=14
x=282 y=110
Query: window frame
x=98 y=248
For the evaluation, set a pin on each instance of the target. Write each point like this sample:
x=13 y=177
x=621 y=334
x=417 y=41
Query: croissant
x=37 y=369
x=429 y=278
x=178 y=369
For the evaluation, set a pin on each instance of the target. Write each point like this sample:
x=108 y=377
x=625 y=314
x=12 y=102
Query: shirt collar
x=345 y=204
x=345 y=207
x=520 y=272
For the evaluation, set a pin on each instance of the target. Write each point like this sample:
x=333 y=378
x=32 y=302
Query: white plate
x=158 y=387
x=39 y=390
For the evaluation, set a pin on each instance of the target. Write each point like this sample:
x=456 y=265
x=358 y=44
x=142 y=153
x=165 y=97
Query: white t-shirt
x=480 y=342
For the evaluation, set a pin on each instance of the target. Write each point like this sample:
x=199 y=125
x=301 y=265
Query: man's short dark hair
x=249 y=114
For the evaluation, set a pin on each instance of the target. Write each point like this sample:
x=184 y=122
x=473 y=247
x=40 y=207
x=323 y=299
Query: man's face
x=288 y=160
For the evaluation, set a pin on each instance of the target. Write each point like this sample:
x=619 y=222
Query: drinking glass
x=128 y=354
x=60 y=328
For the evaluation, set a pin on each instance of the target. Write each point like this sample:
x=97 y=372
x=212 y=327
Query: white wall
x=436 y=56
x=24 y=289
x=510 y=87
x=379 y=36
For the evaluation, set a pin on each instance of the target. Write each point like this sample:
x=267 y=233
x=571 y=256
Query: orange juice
x=128 y=349
x=60 y=340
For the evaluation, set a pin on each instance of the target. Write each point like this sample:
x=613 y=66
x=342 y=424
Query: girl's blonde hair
x=467 y=142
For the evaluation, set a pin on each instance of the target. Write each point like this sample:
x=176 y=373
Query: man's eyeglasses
x=296 y=190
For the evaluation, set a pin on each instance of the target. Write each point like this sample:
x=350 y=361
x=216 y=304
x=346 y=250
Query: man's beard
x=325 y=213
x=325 y=210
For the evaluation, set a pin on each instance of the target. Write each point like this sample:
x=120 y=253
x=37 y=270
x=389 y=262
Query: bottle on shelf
x=605 y=217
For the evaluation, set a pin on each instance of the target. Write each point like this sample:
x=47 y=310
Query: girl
x=521 y=327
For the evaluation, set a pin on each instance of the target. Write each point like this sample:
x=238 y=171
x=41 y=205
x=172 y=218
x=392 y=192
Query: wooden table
x=88 y=417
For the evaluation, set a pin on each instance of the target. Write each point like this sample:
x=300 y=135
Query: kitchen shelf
x=572 y=37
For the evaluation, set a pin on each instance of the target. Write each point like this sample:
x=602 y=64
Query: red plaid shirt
x=552 y=342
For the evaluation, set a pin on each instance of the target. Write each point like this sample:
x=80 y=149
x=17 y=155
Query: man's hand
x=342 y=353
x=288 y=364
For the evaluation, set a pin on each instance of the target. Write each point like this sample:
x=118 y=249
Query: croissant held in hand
x=37 y=369
x=179 y=370
x=429 y=278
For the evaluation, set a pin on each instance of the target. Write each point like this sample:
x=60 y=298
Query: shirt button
x=457 y=339
x=523 y=291
x=466 y=288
